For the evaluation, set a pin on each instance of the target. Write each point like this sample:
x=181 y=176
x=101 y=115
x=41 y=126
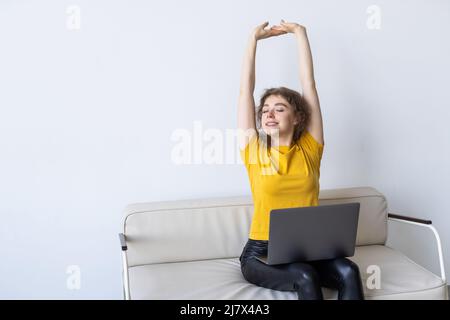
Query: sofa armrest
x=406 y=218
x=126 y=286
x=426 y=224
x=123 y=242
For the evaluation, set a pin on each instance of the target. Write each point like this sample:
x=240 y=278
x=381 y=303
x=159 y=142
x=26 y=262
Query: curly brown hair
x=296 y=100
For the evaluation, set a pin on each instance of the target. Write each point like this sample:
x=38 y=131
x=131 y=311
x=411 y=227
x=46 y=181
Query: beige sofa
x=189 y=249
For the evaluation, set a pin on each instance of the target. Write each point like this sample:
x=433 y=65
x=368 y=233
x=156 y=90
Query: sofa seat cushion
x=221 y=279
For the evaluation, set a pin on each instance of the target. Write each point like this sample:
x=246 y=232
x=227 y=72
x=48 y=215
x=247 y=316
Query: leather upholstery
x=222 y=279
x=189 y=249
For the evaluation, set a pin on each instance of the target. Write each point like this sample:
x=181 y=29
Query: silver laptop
x=312 y=233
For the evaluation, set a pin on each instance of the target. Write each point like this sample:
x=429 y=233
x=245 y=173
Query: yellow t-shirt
x=282 y=178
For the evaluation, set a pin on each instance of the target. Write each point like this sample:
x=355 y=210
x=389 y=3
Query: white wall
x=87 y=117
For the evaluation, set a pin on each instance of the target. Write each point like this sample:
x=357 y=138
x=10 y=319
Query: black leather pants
x=306 y=278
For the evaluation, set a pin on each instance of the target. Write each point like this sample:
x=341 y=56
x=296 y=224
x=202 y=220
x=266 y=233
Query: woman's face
x=278 y=114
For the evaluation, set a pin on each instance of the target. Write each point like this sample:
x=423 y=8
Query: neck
x=282 y=141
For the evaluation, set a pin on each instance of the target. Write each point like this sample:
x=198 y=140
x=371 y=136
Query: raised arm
x=315 y=126
x=246 y=103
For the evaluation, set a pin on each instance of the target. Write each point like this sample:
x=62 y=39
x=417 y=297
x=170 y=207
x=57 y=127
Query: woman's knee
x=346 y=268
x=305 y=274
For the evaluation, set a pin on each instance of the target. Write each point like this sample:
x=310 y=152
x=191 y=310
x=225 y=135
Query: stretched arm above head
x=246 y=103
x=306 y=72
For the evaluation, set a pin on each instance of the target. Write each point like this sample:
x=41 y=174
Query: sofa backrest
x=215 y=228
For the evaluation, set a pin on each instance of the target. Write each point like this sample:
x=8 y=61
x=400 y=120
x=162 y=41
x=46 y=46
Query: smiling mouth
x=271 y=124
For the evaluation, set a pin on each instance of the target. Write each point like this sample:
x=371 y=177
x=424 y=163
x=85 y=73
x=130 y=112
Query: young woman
x=284 y=171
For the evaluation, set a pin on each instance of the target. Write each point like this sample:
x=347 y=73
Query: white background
x=87 y=117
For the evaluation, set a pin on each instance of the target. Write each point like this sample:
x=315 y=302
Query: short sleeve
x=250 y=152
x=314 y=148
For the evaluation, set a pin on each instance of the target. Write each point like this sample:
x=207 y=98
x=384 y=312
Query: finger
x=277 y=32
x=280 y=30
